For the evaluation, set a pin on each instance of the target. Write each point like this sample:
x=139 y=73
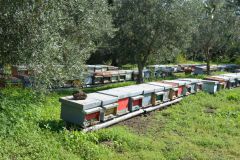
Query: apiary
x=108 y=103
x=170 y=91
x=195 y=84
x=122 y=75
x=82 y=112
x=98 y=78
x=210 y=86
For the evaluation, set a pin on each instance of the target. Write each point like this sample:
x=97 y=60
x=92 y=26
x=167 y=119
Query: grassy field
x=202 y=126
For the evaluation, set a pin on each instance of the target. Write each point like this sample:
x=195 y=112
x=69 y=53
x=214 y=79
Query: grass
x=202 y=126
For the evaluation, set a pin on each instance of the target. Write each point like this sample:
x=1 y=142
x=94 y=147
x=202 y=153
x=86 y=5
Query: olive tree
x=55 y=38
x=144 y=28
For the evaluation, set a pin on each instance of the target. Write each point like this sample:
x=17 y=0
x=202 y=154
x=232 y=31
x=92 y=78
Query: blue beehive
x=82 y=112
x=210 y=86
x=153 y=95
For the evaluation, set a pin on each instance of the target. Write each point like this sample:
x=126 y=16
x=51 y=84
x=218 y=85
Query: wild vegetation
x=202 y=126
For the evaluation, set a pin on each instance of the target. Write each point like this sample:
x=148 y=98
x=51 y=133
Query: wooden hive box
x=230 y=80
x=123 y=99
x=235 y=76
x=98 y=78
x=135 y=97
x=180 y=84
x=210 y=86
x=170 y=91
x=82 y=112
x=108 y=103
x=195 y=84
x=222 y=82
x=153 y=95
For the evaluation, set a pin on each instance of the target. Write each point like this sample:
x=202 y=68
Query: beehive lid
x=120 y=94
x=222 y=77
x=88 y=103
x=181 y=83
x=237 y=76
x=229 y=78
x=191 y=80
x=166 y=86
x=133 y=90
x=215 y=79
x=105 y=99
x=114 y=72
x=154 y=88
x=122 y=72
x=210 y=81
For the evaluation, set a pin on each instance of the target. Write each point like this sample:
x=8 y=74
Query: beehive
x=91 y=68
x=222 y=82
x=88 y=79
x=170 y=91
x=129 y=74
x=195 y=84
x=230 y=80
x=82 y=112
x=114 y=76
x=210 y=86
x=108 y=103
x=122 y=75
x=135 y=98
x=153 y=95
x=107 y=77
x=146 y=73
x=98 y=68
x=98 y=78
x=235 y=76
x=182 y=86
x=123 y=99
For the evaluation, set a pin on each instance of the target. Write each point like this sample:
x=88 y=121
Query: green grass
x=202 y=126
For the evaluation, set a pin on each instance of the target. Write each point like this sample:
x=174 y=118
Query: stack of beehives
x=109 y=104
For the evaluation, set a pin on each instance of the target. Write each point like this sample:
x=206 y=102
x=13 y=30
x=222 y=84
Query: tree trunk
x=140 y=74
x=208 y=61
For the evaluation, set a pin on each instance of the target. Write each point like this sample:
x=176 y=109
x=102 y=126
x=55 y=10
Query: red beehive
x=179 y=92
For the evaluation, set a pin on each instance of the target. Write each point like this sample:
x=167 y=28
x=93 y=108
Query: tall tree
x=54 y=37
x=144 y=28
x=215 y=27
